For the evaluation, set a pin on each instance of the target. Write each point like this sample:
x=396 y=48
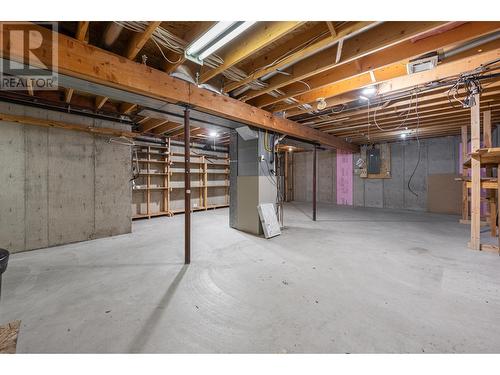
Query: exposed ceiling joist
x=326 y=84
x=377 y=38
x=258 y=37
x=109 y=69
x=81 y=30
x=139 y=40
x=313 y=41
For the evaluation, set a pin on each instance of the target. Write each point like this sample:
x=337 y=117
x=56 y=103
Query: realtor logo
x=28 y=56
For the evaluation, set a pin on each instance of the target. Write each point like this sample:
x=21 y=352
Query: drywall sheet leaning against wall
x=344 y=177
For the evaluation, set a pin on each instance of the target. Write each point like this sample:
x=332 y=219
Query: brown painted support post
x=187 y=189
x=475 y=206
x=314 y=182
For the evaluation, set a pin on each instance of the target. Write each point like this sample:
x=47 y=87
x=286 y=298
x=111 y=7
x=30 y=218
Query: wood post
x=187 y=189
x=475 y=240
x=314 y=182
x=465 y=190
x=489 y=173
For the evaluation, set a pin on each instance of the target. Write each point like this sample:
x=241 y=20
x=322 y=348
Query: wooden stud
x=465 y=190
x=475 y=236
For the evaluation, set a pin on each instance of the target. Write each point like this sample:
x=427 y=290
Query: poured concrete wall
x=437 y=156
x=60 y=186
x=327 y=176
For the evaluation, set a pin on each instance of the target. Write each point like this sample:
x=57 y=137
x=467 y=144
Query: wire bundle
x=164 y=38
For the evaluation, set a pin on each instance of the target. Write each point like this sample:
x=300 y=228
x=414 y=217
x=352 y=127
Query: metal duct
x=472 y=44
x=112 y=33
x=184 y=73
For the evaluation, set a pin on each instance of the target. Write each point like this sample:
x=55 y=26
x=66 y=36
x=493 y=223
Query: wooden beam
x=99 y=101
x=164 y=128
x=331 y=28
x=385 y=64
x=258 y=37
x=310 y=42
x=81 y=30
x=475 y=234
x=441 y=71
x=126 y=108
x=487 y=143
x=68 y=94
x=25 y=120
x=376 y=39
x=150 y=124
x=77 y=59
x=263 y=64
x=139 y=40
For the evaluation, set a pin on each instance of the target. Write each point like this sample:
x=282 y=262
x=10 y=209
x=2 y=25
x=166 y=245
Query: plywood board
x=444 y=194
x=8 y=337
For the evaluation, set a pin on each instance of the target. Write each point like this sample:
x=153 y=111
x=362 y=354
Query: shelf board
x=150 y=161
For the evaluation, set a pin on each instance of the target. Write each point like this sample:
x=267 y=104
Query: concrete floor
x=358 y=280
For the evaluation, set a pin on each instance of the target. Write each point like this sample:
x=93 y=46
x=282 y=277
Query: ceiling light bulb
x=403 y=135
x=321 y=104
x=368 y=91
x=213 y=134
x=364 y=98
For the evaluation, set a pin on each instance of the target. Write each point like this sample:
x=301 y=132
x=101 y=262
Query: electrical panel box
x=373 y=160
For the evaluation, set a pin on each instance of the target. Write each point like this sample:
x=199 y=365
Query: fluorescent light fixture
x=364 y=98
x=208 y=37
x=213 y=134
x=233 y=33
x=368 y=91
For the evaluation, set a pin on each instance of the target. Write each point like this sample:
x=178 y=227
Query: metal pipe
x=314 y=183
x=472 y=44
x=187 y=189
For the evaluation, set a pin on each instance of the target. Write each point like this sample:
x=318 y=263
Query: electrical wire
x=418 y=148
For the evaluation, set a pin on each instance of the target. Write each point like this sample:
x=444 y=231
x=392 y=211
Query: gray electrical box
x=373 y=160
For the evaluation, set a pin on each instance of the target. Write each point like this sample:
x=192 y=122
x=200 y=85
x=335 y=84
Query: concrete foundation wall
x=327 y=176
x=60 y=186
x=437 y=156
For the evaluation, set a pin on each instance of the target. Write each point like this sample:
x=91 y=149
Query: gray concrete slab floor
x=358 y=280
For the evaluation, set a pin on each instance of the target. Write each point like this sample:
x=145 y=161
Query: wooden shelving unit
x=161 y=181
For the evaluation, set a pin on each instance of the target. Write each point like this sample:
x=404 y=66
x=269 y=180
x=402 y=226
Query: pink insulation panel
x=344 y=177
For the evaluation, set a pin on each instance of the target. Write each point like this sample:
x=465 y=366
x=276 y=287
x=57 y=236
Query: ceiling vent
x=422 y=65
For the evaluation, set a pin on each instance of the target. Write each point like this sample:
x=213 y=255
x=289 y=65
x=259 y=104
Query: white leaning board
x=269 y=220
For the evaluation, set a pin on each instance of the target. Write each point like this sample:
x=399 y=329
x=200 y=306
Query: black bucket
x=4 y=259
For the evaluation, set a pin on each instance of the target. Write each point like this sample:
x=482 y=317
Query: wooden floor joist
x=78 y=59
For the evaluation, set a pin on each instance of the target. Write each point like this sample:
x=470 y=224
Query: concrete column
x=252 y=181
